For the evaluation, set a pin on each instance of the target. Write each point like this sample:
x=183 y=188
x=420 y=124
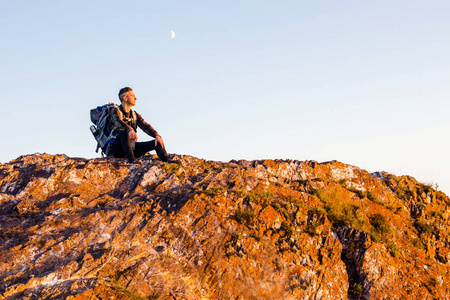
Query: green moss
x=423 y=227
x=239 y=192
x=281 y=207
x=393 y=250
x=266 y=195
x=311 y=229
x=245 y=216
x=338 y=208
x=214 y=191
x=379 y=223
x=260 y=196
x=356 y=289
x=404 y=193
x=251 y=197
x=370 y=196
x=119 y=286
x=173 y=168
x=376 y=237
x=288 y=229
x=316 y=217
x=342 y=214
x=417 y=242
x=343 y=182
x=361 y=194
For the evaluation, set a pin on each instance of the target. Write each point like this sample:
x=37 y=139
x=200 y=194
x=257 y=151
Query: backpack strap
x=134 y=116
x=120 y=112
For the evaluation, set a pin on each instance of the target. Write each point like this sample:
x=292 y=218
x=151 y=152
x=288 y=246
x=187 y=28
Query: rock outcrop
x=73 y=228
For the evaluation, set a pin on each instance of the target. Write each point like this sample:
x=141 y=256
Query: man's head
x=127 y=95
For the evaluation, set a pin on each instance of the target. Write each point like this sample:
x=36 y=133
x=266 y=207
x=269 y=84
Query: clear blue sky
x=362 y=82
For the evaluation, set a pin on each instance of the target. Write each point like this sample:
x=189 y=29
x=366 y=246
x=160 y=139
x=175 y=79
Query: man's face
x=130 y=97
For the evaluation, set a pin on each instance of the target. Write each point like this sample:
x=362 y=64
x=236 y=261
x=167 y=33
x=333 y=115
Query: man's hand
x=159 y=140
x=132 y=135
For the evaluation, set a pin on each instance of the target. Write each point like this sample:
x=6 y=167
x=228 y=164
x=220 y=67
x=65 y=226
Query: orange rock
x=104 y=229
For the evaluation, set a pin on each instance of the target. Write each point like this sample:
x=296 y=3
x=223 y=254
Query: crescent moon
x=172 y=34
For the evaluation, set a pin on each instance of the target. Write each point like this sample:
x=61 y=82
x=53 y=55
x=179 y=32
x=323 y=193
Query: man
x=126 y=121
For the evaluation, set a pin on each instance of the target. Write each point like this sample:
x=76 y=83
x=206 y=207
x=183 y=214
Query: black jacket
x=131 y=121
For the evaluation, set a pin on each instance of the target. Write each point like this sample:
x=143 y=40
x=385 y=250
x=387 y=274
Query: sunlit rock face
x=73 y=228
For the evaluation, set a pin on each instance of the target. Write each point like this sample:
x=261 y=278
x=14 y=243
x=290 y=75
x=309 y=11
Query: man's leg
x=122 y=147
x=143 y=147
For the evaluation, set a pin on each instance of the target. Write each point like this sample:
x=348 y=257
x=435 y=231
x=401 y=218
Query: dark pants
x=122 y=148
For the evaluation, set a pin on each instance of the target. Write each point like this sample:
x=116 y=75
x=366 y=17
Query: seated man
x=127 y=121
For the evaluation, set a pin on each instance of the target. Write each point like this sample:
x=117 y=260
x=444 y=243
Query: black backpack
x=103 y=135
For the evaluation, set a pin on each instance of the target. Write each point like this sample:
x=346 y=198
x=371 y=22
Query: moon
x=172 y=34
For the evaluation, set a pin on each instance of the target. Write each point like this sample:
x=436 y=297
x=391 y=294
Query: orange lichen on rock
x=73 y=228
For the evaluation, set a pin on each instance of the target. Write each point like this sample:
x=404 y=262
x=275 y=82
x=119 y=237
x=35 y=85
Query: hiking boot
x=172 y=161
x=135 y=161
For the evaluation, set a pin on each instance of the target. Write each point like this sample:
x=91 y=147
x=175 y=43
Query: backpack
x=103 y=135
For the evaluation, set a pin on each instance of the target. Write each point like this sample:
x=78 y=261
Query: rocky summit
x=75 y=228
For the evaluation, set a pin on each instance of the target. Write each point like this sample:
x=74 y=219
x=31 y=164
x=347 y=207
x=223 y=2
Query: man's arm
x=159 y=140
x=148 y=129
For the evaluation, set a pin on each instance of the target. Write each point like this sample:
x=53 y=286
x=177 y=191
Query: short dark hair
x=124 y=90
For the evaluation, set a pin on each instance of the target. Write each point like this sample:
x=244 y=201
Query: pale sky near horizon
x=362 y=82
